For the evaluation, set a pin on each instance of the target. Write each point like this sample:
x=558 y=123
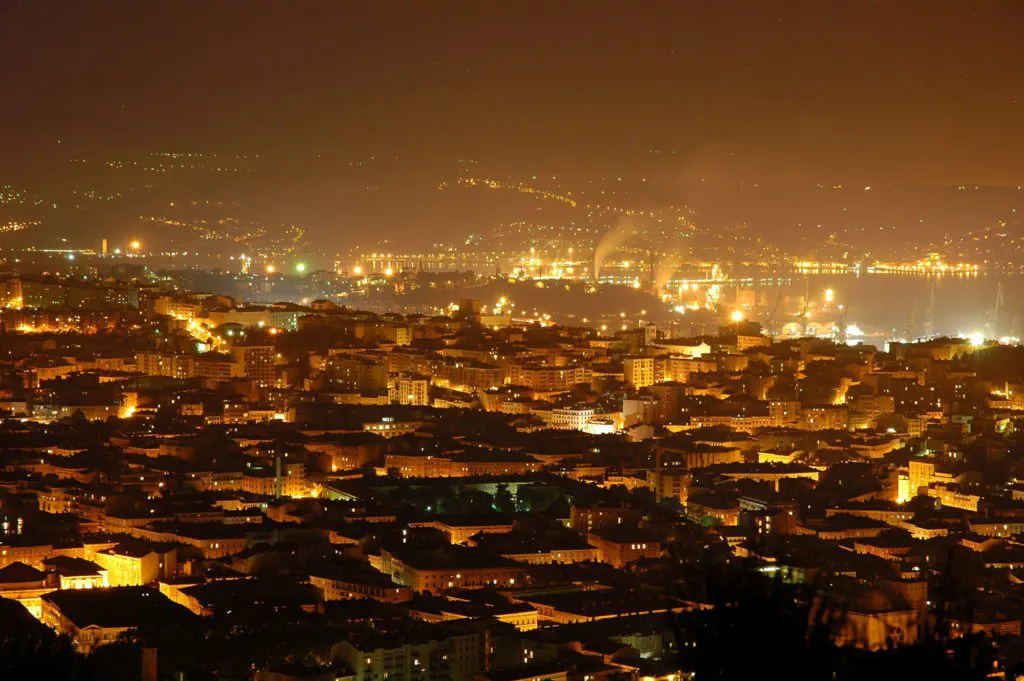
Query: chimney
x=149 y=665
x=277 y=477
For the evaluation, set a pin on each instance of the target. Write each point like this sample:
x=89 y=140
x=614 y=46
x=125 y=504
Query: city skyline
x=511 y=341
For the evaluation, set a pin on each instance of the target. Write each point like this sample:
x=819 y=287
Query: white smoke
x=612 y=240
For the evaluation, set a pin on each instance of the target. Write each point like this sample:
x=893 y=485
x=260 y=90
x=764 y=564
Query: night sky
x=900 y=91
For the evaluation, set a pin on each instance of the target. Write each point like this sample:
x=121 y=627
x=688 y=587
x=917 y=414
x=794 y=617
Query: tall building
x=547 y=378
x=171 y=364
x=638 y=371
x=358 y=373
x=669 y=400
x=10 y=293
x=410 y=389
x=257 y=362
x=43 y=293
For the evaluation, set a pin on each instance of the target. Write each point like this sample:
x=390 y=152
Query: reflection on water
x=887 y=305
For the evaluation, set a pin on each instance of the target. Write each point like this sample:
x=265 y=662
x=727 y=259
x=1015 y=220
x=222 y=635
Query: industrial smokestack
x=149 y=664
x=277 y=477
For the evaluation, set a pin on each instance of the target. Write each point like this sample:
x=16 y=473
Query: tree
x=503 y=501
x=476 y=501
x=32 y=651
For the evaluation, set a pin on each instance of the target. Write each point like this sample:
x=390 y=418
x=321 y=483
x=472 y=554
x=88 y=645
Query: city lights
x=512 y=341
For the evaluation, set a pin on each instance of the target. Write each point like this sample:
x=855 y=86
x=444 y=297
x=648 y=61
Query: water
x=893 y=304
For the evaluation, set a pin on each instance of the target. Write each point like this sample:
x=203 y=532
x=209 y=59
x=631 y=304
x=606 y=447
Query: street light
x=136 y=245
x=737 y=317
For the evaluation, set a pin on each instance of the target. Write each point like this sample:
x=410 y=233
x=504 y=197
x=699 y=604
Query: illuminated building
x=179 y=308
x=548 y=379
x=584 y=518
x=576 y=417
x=10 y=293
x=95 y=617
x=410 y=389
x=25 y=584
x=618 y=545
x=455 y=567
x=366 y=374
x=38 y=293
x=170 y=364
x=216 y=366
x=258 y=362
x=365 y=584
x=137 y=564
x=638 y=371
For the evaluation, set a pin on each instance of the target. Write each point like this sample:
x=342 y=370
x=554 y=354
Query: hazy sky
x=914 y=91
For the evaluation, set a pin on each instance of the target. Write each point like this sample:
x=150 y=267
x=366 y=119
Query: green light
x=300 y=267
